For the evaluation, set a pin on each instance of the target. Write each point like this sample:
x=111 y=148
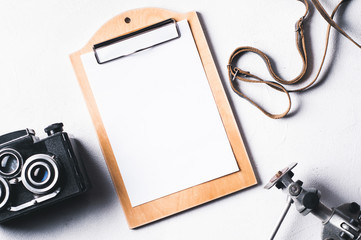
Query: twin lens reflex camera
x=35 y=173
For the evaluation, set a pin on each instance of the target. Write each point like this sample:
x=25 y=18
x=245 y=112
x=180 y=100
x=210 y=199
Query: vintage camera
x=35 y=173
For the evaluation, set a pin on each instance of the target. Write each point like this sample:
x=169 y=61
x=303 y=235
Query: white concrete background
x=38 y=87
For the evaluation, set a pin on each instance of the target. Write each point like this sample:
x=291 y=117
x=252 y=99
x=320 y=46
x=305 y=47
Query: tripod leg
x=284 y=213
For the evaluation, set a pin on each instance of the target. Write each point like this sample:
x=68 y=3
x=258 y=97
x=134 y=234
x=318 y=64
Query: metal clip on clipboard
x=133 y=42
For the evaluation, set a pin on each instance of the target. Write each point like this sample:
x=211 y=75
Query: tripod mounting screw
x=294 y=189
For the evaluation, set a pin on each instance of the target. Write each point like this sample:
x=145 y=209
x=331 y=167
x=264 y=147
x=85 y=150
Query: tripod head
x=340 y=223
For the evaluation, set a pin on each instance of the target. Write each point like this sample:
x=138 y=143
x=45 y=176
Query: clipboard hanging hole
x=127 y=20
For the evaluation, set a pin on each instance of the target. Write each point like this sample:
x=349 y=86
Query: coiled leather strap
x=236 y=73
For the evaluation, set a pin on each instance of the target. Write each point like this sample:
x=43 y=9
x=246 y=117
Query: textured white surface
x=38 y=87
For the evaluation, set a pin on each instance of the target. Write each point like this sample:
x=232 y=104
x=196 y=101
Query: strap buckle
x=235 y=75
x=299 y=24
x=238 y=72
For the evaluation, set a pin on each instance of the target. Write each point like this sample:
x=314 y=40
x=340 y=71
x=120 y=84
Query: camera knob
x=54 y=128
x=311 y=200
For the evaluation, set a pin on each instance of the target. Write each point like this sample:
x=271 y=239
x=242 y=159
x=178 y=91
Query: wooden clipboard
x=134 y=20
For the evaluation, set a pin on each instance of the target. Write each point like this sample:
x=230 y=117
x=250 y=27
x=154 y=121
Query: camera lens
x=4 y=192
x=40 y=173
x=10 y=163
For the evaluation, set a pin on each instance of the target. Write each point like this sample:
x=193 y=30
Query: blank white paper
x=161 y=119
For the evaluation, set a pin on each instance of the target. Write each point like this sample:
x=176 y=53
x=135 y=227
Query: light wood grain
x=190 y=197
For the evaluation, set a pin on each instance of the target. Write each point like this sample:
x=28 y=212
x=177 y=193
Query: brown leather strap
x=236 y=73
x=330 y=21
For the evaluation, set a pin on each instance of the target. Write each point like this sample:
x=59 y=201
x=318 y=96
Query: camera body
x=35 y=173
